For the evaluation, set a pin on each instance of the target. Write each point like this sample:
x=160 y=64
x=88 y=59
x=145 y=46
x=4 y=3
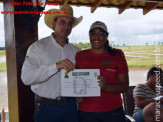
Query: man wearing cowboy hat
x=41 y=69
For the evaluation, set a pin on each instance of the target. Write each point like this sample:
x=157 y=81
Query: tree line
x=2 y=48
x=82 y=45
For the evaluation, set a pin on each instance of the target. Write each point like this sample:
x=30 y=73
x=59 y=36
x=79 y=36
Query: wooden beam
x=17 y=40
x=95 y=5
x=149 y=7
x=64 y=2
x=124 y=6
x=11 y=63
x=160 y=1
x=111 y=1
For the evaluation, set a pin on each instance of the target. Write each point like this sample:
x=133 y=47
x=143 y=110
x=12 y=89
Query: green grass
x=145 y=56
x=141 y=63
x=141 y=48
x=3 y=67
x=2 y=53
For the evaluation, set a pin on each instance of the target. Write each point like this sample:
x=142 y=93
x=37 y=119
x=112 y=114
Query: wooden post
x=17 y=40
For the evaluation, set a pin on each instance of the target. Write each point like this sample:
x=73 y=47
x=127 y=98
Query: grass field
x=2 y=53
x=138 y=57
x=143 y=57
x=3 y=67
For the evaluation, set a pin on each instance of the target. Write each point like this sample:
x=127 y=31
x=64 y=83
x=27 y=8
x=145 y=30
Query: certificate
x=80 y=83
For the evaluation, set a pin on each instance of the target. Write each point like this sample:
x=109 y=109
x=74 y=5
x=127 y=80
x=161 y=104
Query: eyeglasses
x=97 y=34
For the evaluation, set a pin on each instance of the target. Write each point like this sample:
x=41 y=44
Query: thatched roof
x=122 y=5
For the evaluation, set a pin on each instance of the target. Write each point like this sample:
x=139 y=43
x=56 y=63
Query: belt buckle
x=61 y=101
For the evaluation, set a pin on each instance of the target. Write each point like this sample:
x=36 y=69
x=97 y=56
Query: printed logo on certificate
x=80 y=83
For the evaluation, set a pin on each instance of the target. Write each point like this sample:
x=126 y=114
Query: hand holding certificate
x=80 y=83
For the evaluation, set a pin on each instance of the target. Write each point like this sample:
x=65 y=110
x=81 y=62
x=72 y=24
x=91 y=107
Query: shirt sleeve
x=32 y=71
x=139 y=91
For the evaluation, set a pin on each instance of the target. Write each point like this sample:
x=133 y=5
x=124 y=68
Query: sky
x=130 y=28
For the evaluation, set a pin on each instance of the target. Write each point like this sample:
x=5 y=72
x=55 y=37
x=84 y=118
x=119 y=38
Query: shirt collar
x=53 y=39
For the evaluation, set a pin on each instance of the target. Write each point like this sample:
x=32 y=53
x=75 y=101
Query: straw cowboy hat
x=61 y=12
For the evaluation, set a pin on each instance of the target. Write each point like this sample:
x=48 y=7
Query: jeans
x=139 y=117
x=117 y=115
x=51 y=112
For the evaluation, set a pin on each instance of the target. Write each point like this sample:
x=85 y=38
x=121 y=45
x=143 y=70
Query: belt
x=58 y=100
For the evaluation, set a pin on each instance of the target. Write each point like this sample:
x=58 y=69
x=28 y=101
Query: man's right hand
x=65 y=64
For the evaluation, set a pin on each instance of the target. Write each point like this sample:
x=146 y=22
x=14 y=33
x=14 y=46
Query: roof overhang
x=122 y=5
